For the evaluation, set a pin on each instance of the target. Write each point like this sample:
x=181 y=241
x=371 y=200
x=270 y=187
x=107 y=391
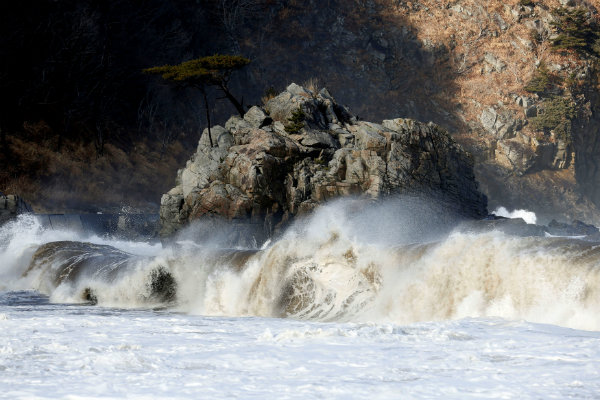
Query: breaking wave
x=527 y=216
x=385 y=263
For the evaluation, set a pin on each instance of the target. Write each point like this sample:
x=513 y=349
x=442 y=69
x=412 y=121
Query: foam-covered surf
x=527 y=216
x=388 y=263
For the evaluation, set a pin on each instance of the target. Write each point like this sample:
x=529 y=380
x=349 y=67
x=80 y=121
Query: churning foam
x=340 y=265
x=527 y=216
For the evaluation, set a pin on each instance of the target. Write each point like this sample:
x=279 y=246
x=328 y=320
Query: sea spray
x=527 y=216
x=333 y=266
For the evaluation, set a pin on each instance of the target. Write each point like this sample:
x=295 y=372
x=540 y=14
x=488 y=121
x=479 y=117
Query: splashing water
x=527 y=216
x=369 y=273
x=346 y=263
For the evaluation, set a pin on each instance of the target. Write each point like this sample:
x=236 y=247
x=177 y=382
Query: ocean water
x=386 y=302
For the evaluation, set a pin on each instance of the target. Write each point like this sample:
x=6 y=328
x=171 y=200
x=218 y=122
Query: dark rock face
x=303 y=149
x=11 y=206
x=575 y=228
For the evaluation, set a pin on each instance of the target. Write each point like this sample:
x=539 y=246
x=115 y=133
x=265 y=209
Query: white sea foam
x=527 y=216
x=334 y=267
x=88 y=352
x=411 y=311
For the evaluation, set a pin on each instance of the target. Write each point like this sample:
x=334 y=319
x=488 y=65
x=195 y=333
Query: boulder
x=257 y=118
x=501 y=125
x=262 y=173
x=494 y=62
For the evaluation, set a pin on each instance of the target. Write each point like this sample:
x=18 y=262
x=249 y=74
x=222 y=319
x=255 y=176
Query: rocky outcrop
x=302 y=149
x=10 y=206
x=518 y=227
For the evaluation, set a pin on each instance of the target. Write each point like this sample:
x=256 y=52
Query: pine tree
x=202 y=73
x=575 y=31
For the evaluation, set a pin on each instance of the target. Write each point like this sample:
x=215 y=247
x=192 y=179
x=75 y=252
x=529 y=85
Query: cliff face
x=302 y=149
x=468 y=66
x=500 y=52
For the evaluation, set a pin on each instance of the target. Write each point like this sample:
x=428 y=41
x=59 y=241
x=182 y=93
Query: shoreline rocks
x=302 y=149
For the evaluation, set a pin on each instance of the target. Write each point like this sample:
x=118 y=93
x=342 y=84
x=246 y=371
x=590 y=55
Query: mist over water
x=397 y=262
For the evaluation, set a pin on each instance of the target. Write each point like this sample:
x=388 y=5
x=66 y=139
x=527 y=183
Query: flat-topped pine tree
x=204 y=72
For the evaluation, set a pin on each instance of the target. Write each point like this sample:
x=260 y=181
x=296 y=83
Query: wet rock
x=92 y=266
x=576 y=228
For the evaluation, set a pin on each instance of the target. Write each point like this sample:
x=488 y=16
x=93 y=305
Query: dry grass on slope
x=77 y=180
x=479 y=32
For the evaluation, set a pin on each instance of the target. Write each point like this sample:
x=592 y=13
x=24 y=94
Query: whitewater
x=386 y=301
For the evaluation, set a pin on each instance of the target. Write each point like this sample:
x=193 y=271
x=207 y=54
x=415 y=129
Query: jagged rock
x=494 y=62
x=500 y=21
x=171 y=204
x=502 y=125
x=260 y=173
x=488 y=119
x=523 y=101
x=203 y=167
x=257 y=117
x=515 y=155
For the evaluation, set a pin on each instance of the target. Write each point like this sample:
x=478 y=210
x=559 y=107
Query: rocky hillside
x=302 y=149
x=515 y=81
x=527 y=98
x=519 y=92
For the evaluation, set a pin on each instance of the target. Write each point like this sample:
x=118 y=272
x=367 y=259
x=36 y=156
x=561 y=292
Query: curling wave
x=339 y=265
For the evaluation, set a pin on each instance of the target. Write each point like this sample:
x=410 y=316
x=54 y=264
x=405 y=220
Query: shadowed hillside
x=72 y=77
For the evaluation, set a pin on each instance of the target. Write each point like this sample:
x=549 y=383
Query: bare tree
x=233 y=15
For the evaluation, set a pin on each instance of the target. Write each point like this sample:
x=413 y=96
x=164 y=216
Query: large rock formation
x=301 y=149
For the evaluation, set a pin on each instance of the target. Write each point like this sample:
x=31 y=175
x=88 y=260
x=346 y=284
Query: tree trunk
x=238 y=106
x=207 y=116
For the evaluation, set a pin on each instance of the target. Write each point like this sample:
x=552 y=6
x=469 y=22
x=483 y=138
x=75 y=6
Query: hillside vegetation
x=516 y=81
